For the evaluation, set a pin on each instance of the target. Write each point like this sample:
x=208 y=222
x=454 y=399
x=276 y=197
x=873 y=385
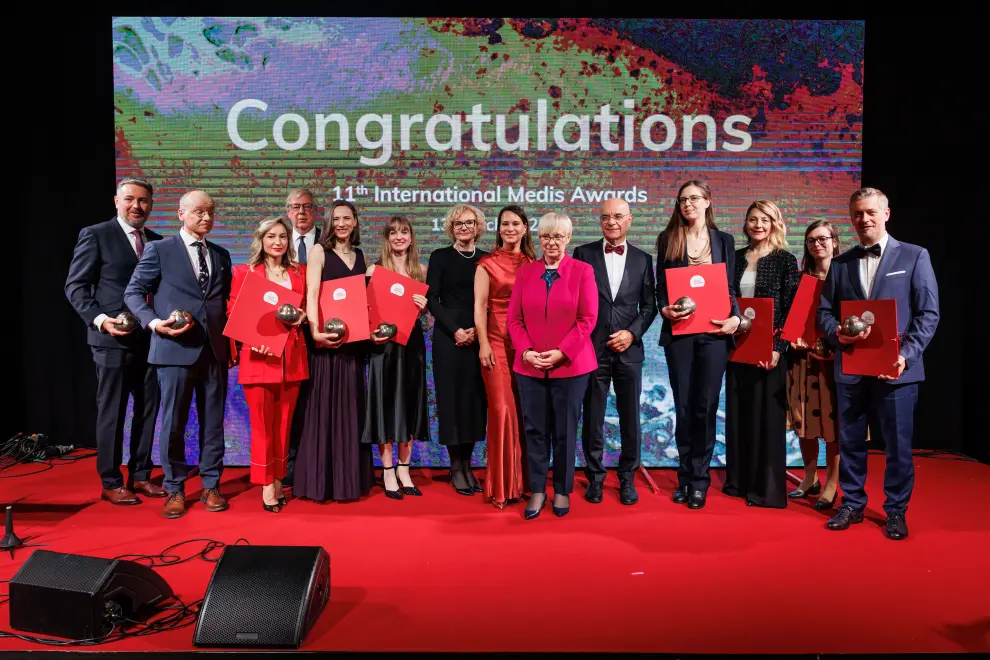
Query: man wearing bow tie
x=187 y=272
x=879 y=268
x=626 y=308
x=102 y=263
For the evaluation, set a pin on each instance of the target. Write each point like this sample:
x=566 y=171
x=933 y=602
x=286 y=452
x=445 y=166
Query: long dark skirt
x=333 y=463
x=756 y=434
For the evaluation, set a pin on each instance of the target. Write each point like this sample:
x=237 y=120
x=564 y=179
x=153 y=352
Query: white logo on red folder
x=270 y=297
x=750 y=313
x=397 y=289
x=697 y=282
x=868 y=317
x=339 y=294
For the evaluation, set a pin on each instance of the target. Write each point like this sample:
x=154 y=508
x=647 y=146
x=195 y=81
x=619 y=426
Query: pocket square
x=896 y=272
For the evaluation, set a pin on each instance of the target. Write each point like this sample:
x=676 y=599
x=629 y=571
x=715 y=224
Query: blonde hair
x=257 y=254
x=413 y=268
x=455 y=212
x=778 y=231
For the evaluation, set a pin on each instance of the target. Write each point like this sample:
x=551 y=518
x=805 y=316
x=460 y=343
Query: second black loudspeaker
x=264 y=596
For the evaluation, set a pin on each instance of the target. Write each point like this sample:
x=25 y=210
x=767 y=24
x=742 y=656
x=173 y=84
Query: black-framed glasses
x=694 y=199
x=821 y=240
x=463 y=224
x=299 y=207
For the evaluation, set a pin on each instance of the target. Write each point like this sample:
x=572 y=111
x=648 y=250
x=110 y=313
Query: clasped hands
x=543 y=360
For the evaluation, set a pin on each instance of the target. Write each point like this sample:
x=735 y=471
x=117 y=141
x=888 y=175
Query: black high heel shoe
x=824 y=505
x=475 y=486
x=797 y=493
x=273 y=508
x=460 y=491
x=561 y=511
x=408 y=490
x=532 y=514
x=391 y=494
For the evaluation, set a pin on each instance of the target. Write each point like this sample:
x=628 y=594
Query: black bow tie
x=864 y=251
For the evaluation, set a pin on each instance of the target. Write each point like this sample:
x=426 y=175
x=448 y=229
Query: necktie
x=138 y=243
x=864 y=251
x=301 y=252
x=618 y=249
x=204 y=270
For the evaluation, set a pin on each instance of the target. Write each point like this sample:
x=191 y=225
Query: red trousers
x=270 y=408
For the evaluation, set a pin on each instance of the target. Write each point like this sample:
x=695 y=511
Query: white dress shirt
x=129 y=233
x=615 y=265
x=309 y=239
x=869 y=265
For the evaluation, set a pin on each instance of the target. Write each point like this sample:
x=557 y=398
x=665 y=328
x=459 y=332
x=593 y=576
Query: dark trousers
x=696 y=364
x=299 y=416
x=121 y=374
x=628 y=381
x=207 y=380
x=892 y=406
x=551 y=408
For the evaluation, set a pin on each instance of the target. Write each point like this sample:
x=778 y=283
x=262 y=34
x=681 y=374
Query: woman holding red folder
x=271 y=384
x=756 y=395
x=695 y=362
x=811 y=383
x=396 y=413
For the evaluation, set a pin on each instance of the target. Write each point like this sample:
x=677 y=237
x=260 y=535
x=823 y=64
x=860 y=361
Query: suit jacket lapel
x=601 y=272
x=624 y=282
x=718 y=249
x=123 y=240
x=852 y=271
x=887 y=260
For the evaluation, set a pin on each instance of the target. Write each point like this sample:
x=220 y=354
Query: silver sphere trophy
x=388 y=330
x=126 y=322
x=334 y=328
x=287 y=313
x=684 y=304
x=853 y=325
x=180 y=319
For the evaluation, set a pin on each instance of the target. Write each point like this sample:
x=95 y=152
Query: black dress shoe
x=561 y=511
x=824 y=505
x=391 y=494
x=464 y=489
x=532 y=514
x=896 y=527
x=475 y=486
x=845 y=516
x=797 y=493
x=627 y=493
x=594 y=492
x=681 y=495
x=408 y=490
x=696 y=499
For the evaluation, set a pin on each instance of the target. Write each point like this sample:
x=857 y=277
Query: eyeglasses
x=553 y=238
x=694 y=199
x=617 y=217
x=463 y=224
x=821 y=240
x=299 y=207
x=202 y=213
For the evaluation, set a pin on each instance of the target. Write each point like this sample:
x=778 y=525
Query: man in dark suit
x=300 y=207
x=102 y=263
x=626 y=307
x=879 y=268
x=187 y=272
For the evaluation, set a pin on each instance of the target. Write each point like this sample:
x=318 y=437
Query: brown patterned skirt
x=811 y=397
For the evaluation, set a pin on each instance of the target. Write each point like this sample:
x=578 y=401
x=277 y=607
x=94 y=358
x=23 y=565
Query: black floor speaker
x=80 y=597
x=264 y=596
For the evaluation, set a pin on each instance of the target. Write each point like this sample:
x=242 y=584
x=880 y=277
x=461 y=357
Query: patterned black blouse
x=777 y=277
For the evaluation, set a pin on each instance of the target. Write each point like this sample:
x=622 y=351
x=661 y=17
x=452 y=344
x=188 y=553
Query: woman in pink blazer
x=552 y=311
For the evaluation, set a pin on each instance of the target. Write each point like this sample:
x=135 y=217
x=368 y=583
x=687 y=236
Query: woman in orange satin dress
x=505 y=480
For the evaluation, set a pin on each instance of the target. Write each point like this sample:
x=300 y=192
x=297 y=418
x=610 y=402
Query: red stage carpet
x=448 y=573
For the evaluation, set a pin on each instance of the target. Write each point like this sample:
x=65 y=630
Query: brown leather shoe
x=119 y=496
x=213 y=500
x=148 y=489
x=175 y=505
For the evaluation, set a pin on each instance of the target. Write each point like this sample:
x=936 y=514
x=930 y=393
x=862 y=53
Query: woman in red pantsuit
x=271 y=384
x=505 y=478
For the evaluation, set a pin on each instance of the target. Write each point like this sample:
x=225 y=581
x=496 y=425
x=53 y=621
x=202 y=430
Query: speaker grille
x=54 y=570
x=258 y=596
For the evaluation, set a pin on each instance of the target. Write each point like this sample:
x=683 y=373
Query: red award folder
x=346 y=299
x=756 y=345
x=708 y=287
x=252 y=320
x=875 y=355
x=801 y=319
x=390 y=301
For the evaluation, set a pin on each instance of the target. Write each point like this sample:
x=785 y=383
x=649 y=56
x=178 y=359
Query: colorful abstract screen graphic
x=410 y=116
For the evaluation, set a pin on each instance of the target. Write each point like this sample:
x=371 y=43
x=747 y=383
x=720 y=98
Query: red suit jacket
x=255 y=368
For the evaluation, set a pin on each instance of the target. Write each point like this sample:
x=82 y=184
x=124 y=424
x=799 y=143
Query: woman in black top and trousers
x=696 y=362
x=756 y=395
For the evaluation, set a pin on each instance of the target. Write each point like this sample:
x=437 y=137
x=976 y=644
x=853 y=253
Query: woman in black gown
x=756 y=395
x=333 y=463
x=462 y=408
x=396 y=411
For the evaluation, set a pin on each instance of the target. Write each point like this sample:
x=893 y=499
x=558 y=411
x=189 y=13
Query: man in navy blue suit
x=187 y=272
x=879 y=268
x=105 y=256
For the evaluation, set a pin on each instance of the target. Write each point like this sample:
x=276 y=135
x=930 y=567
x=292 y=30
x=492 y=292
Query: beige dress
x=811 y=396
